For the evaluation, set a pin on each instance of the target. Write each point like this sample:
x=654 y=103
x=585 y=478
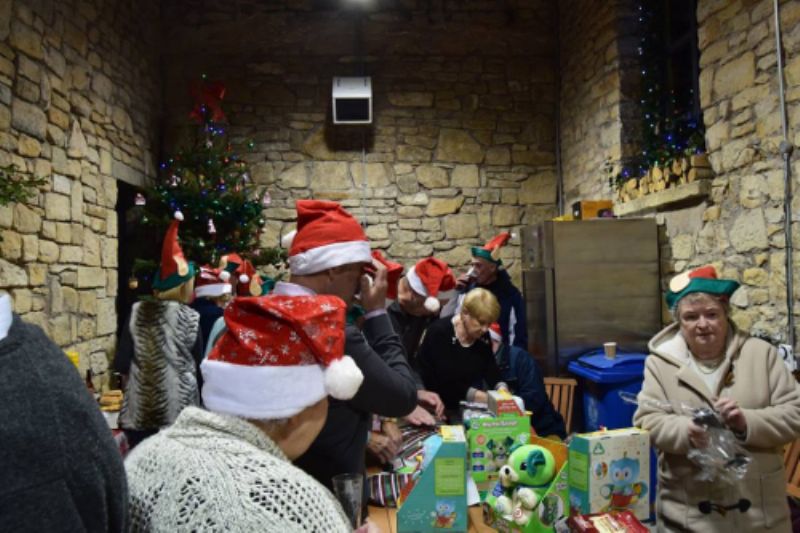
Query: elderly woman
x=455 y=354
x=702 y=360
x=228 y=468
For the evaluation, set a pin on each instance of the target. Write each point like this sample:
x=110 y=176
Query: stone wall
x=598 y=108
x=79 y=102
x=463 y=141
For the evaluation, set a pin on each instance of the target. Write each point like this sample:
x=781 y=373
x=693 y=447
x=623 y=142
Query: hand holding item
x=698 y=436
x=731 y=414
x=373 y=288
x=432 y=400
x=464 y=280
x=420 y=417
x=382 y=447
x=391 y=430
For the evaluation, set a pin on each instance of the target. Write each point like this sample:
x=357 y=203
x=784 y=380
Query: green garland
x=17 y=186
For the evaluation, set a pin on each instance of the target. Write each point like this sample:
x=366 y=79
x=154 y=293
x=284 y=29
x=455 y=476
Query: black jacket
x=411 y=329
x=59 y=466
x=388 y=390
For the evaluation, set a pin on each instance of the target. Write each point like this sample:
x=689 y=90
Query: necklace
x=708 y=369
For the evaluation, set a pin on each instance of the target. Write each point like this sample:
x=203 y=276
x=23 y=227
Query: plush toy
x=526 y=475
x=622 y=492
x=497 y=454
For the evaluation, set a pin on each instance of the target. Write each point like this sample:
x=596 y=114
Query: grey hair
x=695 y=296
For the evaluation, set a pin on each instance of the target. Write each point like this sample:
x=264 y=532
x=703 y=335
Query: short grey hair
x=696 y=296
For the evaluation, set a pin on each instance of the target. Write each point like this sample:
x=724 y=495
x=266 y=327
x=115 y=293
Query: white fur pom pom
x=343 y=378
x=432 y=304
x=244 y=278
x=224 y=275
x=178 y=215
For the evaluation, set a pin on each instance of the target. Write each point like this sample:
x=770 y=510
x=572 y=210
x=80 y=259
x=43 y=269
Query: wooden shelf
x=659 y=201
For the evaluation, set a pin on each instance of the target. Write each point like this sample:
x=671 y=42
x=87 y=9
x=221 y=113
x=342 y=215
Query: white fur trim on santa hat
x=213 y=290
x=432 y=304
x=261 y=392
x=343 y=378
x=288 y=239
x=416 y=282
x=328 y=256
x=495 y=336
x=224 y=275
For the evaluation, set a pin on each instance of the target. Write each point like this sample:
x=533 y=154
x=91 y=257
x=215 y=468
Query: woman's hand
x=731 y=414
x=391 y=430
x=420 y=417
x=432 y=400
x=698 y=436
x=382 y=447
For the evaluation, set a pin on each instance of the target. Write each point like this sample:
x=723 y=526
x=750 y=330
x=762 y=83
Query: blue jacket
x=520 y=371
x=512 y=310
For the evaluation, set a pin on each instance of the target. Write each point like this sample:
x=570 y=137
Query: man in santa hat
x=330 y=255
x=486 y=271
x=212 y=291
x=161 y=347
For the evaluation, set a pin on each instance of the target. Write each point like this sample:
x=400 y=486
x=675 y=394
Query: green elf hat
x=703 y=279
x=174 y=269
x=491 y=250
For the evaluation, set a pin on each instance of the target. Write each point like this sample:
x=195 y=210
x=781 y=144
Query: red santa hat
x=174 y=269
x=279 y=355
x=249 y=282
x=393 y=273
x=432 y=278
x=230 y=262
x=327 y=236
x=495 y=333
x=212 y=282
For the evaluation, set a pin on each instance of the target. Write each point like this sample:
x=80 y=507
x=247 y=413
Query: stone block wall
x=463 y=141
x=79 y=103
x=597 y=102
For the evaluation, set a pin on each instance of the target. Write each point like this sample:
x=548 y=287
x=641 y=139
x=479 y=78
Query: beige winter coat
x=770 y=399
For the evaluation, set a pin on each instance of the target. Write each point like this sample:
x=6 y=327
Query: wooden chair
x=791 y=461
x=561 y=392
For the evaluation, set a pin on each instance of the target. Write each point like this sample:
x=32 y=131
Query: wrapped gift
x=613 y=522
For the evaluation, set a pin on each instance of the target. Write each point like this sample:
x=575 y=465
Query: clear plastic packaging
x=724 y=459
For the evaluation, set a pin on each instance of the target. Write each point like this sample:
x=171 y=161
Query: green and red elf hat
x=703 y=279
x=174 y=269
x=491 y=250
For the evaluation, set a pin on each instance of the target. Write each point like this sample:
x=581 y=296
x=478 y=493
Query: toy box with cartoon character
x=490 y=440
x=531 y=493
x=610 y=470
x=438 y=499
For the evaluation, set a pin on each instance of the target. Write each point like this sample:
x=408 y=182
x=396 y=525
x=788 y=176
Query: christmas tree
x=209 y=183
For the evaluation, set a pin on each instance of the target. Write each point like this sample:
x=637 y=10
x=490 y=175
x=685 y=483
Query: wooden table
x=386 y=519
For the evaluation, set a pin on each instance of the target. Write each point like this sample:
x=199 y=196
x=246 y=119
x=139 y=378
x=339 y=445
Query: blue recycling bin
x=603 y=380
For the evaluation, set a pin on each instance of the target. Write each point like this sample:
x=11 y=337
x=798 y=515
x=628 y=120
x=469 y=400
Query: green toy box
x=438 y=499
x=490 y=440
x=610 y=470
x=549 y=507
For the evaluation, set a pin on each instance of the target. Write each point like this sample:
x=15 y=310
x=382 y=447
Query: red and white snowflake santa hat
x=279 y=355
x=327 y=236
x=394 y=271
x=432 y=278
x=212 y=282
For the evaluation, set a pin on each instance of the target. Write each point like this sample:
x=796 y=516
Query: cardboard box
x=610 y=471
x=551 y=511
x=438 y=499
x=502 y=403
x=490 y=441
x=586 y=209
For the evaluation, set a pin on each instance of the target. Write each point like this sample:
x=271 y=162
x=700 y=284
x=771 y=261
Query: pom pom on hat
x=178 y=215
x=244 y=278
x=343 y=378
x=432 y=304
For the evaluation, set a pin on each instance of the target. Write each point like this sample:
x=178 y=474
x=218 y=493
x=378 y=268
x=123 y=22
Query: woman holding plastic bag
x=708 y=385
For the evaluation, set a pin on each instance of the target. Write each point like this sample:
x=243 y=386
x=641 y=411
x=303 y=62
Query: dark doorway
x=130 y=246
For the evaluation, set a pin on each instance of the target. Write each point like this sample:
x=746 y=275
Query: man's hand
x=382 y=447
x=463 y=281
x=431 y=399
x=391 y=430
x=373 y=293
x=731 y=414
x=698 y=436
x=420 y=417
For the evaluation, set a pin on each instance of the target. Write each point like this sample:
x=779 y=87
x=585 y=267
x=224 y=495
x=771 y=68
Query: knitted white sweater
x=213 y=472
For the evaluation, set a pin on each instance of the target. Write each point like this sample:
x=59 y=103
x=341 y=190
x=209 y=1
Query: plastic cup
x=611 y=349
x=349 y=490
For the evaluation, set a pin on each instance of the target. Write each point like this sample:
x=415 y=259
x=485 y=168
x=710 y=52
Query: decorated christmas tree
x=209 y=183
